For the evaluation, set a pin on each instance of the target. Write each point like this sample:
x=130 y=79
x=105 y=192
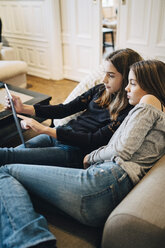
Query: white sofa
x=137 y=222
x=12 y=71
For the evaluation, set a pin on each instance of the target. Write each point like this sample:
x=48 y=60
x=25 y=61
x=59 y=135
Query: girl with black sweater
x=105 y=106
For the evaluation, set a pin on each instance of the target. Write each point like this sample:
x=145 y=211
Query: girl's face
x=112 y=79
x=134 y=92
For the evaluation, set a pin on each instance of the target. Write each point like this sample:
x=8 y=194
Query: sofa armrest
x=139 y=220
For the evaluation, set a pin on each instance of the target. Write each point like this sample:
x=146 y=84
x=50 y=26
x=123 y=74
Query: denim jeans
x=43 y=150
x=20 y=225
x=87 y=195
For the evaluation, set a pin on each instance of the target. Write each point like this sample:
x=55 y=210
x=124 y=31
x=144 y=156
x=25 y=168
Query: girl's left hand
x=85 y=162
x=27 y=123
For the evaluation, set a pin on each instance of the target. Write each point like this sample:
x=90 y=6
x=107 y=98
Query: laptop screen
x=17 y=123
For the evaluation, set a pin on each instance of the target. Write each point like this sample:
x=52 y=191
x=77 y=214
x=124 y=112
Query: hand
x=27 y=123
x=17 y=104
x=85 y=162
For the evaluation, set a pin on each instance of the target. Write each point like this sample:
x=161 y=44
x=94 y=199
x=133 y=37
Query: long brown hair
x=150 y=75
x=121 y=59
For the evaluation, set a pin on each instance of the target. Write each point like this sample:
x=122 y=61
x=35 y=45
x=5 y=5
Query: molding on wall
x=33 y=30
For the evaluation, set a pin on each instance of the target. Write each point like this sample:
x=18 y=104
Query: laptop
x=17 y=123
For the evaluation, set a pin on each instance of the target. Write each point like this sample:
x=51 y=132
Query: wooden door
x=81 y=37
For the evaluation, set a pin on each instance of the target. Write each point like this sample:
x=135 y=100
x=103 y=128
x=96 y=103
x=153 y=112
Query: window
x=107 y=3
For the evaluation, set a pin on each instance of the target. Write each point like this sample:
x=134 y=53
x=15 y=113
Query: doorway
x=80 y=35
x=109 y=25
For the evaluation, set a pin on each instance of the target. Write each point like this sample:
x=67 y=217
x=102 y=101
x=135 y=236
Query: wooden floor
x=58 y=89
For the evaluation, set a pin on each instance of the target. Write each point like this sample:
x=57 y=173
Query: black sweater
x=92 y=129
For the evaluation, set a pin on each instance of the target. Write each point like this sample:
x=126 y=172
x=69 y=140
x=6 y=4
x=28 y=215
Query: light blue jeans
x=20 y=225
x=43 y=149
x=87 y=195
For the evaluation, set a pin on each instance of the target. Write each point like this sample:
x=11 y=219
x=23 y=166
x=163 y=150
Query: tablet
x=17 y=123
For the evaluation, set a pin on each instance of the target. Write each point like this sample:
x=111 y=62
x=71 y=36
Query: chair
x=107 y=44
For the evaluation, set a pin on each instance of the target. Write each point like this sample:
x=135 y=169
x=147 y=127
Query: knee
x=4 y=169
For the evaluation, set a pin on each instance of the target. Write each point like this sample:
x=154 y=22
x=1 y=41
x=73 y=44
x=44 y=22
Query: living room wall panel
x=28 y=28
x=140 y=19
x=141 y=27
x=159 y=31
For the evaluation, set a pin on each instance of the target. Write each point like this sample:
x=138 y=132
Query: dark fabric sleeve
x=90 y=141
x=62 y=110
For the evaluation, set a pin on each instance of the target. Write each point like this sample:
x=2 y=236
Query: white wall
x=51 y=49
x=32 y=28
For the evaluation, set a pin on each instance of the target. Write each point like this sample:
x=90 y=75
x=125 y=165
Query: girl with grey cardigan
x=89 y=195
x=140 y=141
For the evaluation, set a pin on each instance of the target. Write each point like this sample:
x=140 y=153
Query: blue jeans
x=87 y=195
x=43 y=149
x=20 y=225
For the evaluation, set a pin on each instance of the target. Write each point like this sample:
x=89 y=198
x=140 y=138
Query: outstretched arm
x=54 y=111
x=59 y=111
x=29 y=123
